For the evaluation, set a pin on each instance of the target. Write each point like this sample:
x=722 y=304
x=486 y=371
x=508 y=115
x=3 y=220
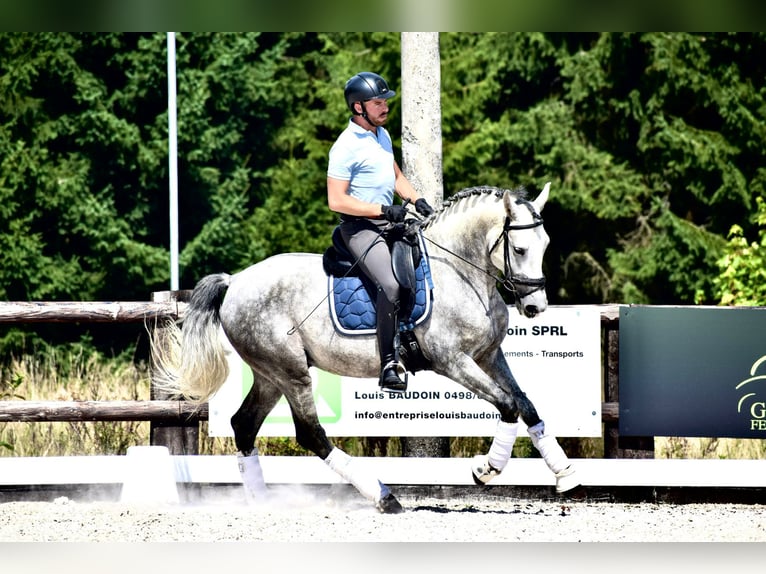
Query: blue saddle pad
x=353 y=311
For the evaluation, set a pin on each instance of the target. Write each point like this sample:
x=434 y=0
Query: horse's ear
x=540 y=200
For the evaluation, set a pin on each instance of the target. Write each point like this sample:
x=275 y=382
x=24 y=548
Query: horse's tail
x=190 y=361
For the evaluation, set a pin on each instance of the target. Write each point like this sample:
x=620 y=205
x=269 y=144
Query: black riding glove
x=393 y=213
x=422 y=207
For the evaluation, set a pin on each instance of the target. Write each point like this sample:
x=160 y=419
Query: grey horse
x=269 y=313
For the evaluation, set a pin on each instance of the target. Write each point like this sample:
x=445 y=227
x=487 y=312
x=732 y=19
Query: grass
x=709 y=447
x=72 y=376
x=76 y=375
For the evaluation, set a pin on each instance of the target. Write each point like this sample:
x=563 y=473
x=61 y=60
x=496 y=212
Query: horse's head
x=520 y=256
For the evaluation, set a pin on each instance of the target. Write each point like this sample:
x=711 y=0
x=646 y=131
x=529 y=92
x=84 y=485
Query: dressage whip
x=306 y=318
x=350 y=269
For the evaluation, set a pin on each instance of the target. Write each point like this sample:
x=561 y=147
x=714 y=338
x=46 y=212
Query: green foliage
x=668 y=259
x=742 y=280
x=653 y=142
x=75 y=213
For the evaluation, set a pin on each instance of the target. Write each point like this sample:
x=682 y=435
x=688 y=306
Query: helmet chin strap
x=365 y=116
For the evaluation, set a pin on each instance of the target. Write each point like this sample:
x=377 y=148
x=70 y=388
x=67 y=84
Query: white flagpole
x=173 y=161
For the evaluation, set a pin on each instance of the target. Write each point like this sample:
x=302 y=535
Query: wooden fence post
x=183 y=438
x=616 y=446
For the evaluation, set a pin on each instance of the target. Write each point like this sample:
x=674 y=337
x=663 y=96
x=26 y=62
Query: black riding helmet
x=366 y=86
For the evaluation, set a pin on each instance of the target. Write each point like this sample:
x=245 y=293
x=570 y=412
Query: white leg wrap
x=485 y=467
x=549 y=448
x=252 y=476
x=347 y=468
x=502 y=445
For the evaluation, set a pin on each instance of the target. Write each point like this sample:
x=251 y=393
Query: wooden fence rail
x=175 y=424
x=178 y=412
x=89 y=311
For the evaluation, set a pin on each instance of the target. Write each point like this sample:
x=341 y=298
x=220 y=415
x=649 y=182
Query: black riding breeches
x=365 y=242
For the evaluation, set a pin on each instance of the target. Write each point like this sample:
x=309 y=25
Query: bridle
x=520 y=286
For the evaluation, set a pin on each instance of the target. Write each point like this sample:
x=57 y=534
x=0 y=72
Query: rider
x=362 y=177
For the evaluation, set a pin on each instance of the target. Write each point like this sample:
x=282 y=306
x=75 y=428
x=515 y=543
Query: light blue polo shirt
x=366 y=162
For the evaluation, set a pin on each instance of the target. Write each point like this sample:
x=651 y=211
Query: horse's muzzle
x=529 y=294
x=530 y=311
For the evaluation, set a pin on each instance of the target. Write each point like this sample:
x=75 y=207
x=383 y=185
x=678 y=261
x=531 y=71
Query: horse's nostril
x=530 y=310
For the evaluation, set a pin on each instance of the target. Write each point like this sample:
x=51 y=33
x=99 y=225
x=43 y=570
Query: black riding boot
x=390 y=367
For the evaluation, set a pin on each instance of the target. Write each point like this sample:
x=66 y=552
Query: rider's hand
x=393 y=213
x=422 y=207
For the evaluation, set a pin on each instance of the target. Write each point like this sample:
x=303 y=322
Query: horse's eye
x=519 y=250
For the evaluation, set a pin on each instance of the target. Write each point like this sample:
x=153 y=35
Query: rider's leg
x=378 y=261
x=364 y=240
x=388 y=325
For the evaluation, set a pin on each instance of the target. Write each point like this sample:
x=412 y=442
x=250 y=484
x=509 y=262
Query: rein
x=519 y=285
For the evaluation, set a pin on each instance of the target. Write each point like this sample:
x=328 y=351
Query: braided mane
x=468 y=192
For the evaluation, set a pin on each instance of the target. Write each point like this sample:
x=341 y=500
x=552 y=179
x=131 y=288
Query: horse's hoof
x=566 y=480
x=389 y=505
x=481 y=470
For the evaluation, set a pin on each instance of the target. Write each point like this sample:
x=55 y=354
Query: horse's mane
x=468 y=192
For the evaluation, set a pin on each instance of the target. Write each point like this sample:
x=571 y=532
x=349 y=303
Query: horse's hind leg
x=310 y=435
x=246 y=423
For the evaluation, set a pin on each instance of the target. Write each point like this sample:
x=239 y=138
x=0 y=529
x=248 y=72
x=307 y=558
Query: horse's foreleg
x=546 y=444
x=310 y=435
x=486 y=467
x=554 y=457
x=509 y=400
x=493 y=380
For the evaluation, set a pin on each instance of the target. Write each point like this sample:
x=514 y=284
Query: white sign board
x=555 y=357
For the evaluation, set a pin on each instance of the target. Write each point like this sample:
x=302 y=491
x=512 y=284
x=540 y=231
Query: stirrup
x=393 y=386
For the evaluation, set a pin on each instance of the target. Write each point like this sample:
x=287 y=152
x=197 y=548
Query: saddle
x=352 y=294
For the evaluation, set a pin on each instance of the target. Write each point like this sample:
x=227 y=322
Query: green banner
x=693 y=372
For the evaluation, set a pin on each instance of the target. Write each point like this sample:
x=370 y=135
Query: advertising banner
x=555 y=357
x=693 y=372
